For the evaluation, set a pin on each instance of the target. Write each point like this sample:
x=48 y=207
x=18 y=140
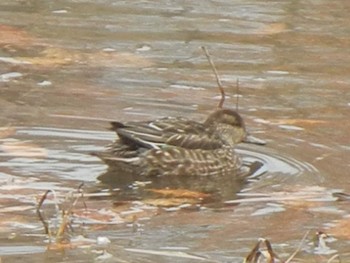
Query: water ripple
x=67 y=156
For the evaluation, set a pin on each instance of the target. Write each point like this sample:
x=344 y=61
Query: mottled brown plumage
x=178 y=146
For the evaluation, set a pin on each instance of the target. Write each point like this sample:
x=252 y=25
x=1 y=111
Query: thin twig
x=218 y=81
x=40 y=215
x=237 y=93
x=65 y=220
x=81 y=191
x=253 y=253
x=298 y=249
x=334 y=257
x=63 y=226
x=257 y=253
x=272 y=254
x=67 y=213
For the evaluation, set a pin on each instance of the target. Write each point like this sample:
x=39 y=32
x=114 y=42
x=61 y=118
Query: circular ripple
x=273 y=163
x=67 y=157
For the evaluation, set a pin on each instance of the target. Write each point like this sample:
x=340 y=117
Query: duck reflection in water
x=176 y=152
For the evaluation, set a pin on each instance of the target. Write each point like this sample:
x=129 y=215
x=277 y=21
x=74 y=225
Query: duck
x=177 y=146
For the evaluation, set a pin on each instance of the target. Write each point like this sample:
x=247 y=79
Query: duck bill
x=251 y=139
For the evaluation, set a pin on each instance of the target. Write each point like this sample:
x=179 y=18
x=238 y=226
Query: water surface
x=68 y=67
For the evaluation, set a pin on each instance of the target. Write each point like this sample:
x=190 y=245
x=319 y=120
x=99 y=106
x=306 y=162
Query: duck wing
x=179 y=132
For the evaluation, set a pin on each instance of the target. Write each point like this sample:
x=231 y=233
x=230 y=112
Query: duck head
x=230 y=125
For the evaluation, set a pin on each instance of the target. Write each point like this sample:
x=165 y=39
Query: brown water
x=67 y=67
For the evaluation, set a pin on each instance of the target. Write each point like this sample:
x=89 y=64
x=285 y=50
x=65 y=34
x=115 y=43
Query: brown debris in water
x=175 y=197
x=180 y=193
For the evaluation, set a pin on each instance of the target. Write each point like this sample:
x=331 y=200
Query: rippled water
x=69 y=67
x=73 y=161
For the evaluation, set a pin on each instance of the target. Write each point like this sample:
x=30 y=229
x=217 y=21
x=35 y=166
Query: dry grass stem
x=258 y=254
x=334 y=257
x=299 y=247
x=218 y=81
x=65 y=219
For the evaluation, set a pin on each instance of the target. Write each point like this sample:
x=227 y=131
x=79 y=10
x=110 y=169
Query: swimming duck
x=178 y=146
